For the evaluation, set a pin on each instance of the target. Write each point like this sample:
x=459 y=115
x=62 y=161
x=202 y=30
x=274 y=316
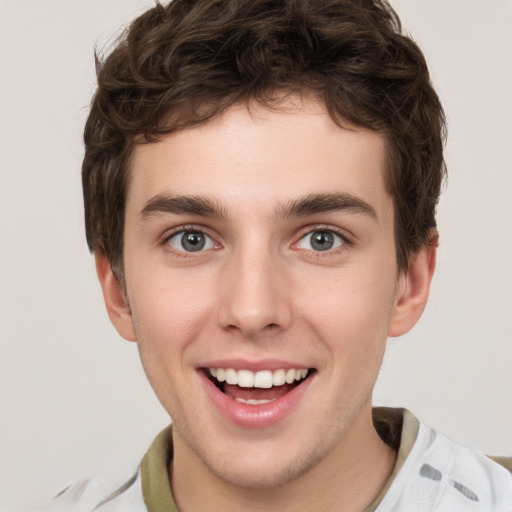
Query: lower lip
x=255 y=416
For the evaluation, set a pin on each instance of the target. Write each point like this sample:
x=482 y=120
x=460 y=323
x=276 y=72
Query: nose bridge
x=254 y=297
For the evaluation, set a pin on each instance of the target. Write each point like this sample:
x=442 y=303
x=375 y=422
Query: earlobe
x=413 y=289
x=117 y=306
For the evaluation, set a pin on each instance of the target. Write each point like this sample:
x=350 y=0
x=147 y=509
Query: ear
x=413 y=288
x=115 y=301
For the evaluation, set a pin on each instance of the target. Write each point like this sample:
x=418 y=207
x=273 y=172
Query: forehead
x=253 y=156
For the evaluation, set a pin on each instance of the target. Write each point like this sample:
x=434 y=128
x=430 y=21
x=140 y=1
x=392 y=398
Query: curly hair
x=181 y=64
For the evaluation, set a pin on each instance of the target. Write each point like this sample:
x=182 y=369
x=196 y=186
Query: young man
x=260 y=184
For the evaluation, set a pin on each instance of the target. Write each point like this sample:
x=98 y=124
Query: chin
x=259 y=473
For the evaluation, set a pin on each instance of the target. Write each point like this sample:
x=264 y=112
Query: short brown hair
x=180 y=64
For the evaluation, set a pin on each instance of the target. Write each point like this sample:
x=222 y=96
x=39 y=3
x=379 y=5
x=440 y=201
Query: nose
x=254 y=296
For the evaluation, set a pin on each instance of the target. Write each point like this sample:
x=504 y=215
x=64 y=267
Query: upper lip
x=258 y=365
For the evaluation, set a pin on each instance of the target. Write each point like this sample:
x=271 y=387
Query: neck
x=349 y=478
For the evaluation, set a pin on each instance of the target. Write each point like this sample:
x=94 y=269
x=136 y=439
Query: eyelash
x=346 y=240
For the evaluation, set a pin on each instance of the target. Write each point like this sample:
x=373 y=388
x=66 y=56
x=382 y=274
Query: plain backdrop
x=74 y=399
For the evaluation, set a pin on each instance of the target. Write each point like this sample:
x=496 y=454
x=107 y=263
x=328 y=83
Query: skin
x=260 y=290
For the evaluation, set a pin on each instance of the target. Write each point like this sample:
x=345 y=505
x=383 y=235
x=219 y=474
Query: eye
x=321 y=240
x=190 y=241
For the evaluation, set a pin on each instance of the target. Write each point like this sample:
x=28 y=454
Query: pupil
x=193 y=242
x=322 y=240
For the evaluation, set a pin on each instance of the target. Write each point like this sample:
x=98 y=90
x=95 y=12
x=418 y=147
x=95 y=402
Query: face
x=262 y=284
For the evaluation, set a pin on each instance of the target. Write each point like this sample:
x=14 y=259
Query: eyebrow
x=191 y=205
x=325 y=203
x=302 y=207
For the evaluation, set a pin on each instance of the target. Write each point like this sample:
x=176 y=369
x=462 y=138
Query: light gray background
x=73 y=397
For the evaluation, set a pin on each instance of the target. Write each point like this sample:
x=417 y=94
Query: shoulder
x=116 y=490
x=440 y=474
x=458 y=460
x=506 y=462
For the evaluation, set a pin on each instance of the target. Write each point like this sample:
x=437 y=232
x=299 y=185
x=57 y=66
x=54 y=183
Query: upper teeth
x=261 y=379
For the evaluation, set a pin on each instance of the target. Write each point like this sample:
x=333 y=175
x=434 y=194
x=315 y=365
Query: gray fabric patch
x=427 y=471
x=470 y=495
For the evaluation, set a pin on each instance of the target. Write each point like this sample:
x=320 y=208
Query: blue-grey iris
x=322 y=240
x=193 y=241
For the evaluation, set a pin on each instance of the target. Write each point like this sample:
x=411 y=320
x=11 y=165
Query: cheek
x=351 y=312
x=169 y=310
x=168 y=315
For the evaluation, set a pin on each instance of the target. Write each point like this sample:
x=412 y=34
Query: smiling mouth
x=257 y=388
